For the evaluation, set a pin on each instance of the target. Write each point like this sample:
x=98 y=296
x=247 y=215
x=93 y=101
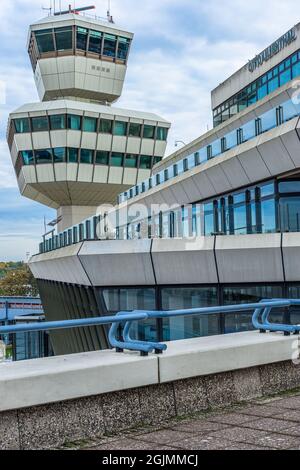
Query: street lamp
x=179 y=142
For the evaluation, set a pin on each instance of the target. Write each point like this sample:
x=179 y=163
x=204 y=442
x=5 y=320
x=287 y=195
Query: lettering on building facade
x=272 y=50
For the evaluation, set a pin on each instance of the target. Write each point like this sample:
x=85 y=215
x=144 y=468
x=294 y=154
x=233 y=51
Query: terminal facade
x=221 y=216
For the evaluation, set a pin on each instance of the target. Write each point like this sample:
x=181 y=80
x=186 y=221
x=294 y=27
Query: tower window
x=44 y=39
x=72 y=155
x=74 y=122
x=110 y=42
x=27 y=157
x=57 y=122
x=22 y=125
x=86 y=156
x=161 y=133
x=102 y=157
x=64 y=38
x=120 y=128
x=89 y=124
x=135 y=130
x=123 y=48
x=148 y=132
x=106 y=126
x=40 y=123
x=116 y=159
x=131 y=161
x=145 y=162
x=43 y=156
x=95 y=42
x=81 y=38
x=59 y=154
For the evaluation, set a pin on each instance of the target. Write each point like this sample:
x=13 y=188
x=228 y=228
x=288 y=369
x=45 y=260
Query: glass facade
x=88 y=156
x=265 y=122
x=88 y=124
x=85 y=41
x=266 y=84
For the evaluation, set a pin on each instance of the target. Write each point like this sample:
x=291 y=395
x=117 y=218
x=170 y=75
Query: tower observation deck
x=73 y=150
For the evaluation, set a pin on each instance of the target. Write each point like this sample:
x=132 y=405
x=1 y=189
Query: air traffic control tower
x=74 y=151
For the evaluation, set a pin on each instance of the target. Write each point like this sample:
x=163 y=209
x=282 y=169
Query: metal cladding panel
x=45 y=173
x=41 y=140
x=133 y=145
x=61 y=265
x=204 y=184
x=249 y=258
x=23 y=141
x=104 y=142
x=218 y=178
x=115 y=175
x=60 y=171
x=58 y=138
x=234 y=172
x=275 y=154
x=88 y=140
x=100 y=174
x=291 y=256
x=130 y=175
x=118 y=262
x=254 y=166
x=119 y=144
x=184 y=261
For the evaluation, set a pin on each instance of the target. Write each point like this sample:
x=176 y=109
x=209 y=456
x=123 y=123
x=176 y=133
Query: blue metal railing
x=122 y=322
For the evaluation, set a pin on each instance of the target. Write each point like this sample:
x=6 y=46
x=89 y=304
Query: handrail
x=121 y=323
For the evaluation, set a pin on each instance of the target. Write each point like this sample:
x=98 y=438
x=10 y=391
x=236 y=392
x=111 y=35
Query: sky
x=182 y=50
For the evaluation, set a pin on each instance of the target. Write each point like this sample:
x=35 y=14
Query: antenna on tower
x=109 y=16
x=49 y=8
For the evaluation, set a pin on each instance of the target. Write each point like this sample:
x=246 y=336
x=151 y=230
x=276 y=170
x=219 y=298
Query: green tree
x=18 y=282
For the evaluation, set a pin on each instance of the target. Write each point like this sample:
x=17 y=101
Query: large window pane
x=44 y=39
x=192 y=326
x=43 y=156
x=117 y=300
x=134 y=130
x=242 y=321
x=290 y=214
x=123 y=48
x=64 y=38
x=268 y=120
x=131 y=161
x=59 y=154
x=148 y=132
x=81 y=38
x=289 y=110
x=120 y=128
x=39 y=123
x=116 y=159
x=106 y=126
x=231 y=140
x=102 y=158
x=27 y=157
x=95 y=42
x=57 y=122
x=89 y=124
x=273 y=84
x=268 y=216
x=74 y=122
x=292 y=186
x=110 y=42
x=86 y=156
x=248 y=131
x=208 y=228
x=72 y=155
x=22 y=125
x=145 y=161
x=161 y=133
x=285 y=77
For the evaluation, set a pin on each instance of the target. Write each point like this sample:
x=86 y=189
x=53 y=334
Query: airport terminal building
x=215 y=223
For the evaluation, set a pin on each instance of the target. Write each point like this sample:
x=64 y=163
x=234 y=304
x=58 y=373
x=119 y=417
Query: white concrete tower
x=73 y=150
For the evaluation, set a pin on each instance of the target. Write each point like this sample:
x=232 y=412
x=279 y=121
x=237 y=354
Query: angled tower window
x=39 y=123
x=146 y=162
x=123 y=48
x=64 y=38
x=74 y=122
x=109 y=48
x=72 y=155
x=149 y=132
x=89 y=124
x=116 y=159
x=131 y=161
x=135 y=130
x=102 y=158
x=120 y=128
x=106 y=126
x=57 y=122
x=43 y=156
x=161 y=133
x=45 y=41
x=27 y=157
x=81 y=38
x=86 y=156
x=95 y=42
x=22 y=125
x=59 y=154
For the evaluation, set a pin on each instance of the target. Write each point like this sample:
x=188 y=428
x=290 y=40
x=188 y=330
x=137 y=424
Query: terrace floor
x=272 y=423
